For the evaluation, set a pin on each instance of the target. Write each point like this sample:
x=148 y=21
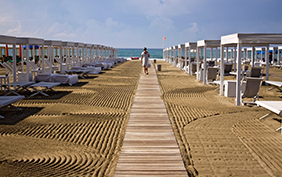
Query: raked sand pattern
x=217 y=138
x=79 y=130
x=75 y=132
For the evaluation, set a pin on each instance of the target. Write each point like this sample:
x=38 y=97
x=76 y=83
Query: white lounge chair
x=273 y=106
x=255 y=72
x=65 y=79
x=8 y=100
x=250 y=89
x=211 y=74
x=45 y=85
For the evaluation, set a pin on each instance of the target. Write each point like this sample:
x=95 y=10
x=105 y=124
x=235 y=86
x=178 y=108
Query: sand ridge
x=217 y=138
x=77 y=131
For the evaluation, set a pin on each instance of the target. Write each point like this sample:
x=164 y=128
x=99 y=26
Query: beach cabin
x=54 y=45
x=181 y=63
x=78 y=57
x=68 y=54
x=27 y=74
x=10 y=40
x=240 y=40
x=189 y=46
x=204 y=44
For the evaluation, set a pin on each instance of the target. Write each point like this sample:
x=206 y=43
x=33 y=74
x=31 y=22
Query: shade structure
x=204 y=44
x=239 y=40
x=51 y=45
x=189 y=46
x=181 y=47
x=28 y=41
x=78 y=46
x=10 y=40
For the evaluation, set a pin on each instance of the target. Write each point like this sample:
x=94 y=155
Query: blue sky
x=138 y=23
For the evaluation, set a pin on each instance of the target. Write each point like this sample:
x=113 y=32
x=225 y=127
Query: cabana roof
x=31 y=41
x=78 y=44
x=53 y=43
x=175 y=47
x=208 y=43
x=87 y=45
x=181 y=46
x=7 y=39
x=252 y=39
x=191 y=45
x=69 y=44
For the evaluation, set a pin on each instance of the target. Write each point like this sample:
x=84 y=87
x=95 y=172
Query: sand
x=75 y=132
x=79 y=130
x=217 y=138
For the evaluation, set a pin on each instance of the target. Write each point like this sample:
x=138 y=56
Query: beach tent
x=181 y=47
x=28 y=41
x=67 y=47
x=85 y=55
x=78 y=46
x=189 y=46
x=174 y=54
x=204 y=44
x=12 y=41
x=51 y=44
x=239 y=40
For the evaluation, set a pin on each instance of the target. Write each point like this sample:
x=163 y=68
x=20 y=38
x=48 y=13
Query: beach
x=79 y=130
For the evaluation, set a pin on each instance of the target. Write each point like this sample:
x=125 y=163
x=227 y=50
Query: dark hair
x=144 y=48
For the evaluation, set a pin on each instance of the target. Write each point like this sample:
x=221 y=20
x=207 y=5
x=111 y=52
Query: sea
x=128 y=53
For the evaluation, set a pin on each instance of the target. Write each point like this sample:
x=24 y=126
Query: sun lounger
x=7 y=100
x=18 y=85
x=211 y=74
x=277 y=84
x=45 y=77
x=45 y=85
x=251 y=89
x=81 y=73
x=273 y=106
x=65 y=79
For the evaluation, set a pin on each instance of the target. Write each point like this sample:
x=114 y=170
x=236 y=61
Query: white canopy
x=205 y=44
x=243 y=39
x=189 y=46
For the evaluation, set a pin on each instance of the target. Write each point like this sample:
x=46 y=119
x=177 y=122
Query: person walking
x=145 y=60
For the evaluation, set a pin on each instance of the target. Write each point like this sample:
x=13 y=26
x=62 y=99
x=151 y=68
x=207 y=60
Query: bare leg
x=145 y=70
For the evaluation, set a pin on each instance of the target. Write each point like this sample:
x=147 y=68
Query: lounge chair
x=45 y=85
x=255 y=72
x=211 y=74
x=65 y=79
x=250 y=89
x=8 y=100
x=18 y=86
x=273 y=106
x=193 y=67
x=227 y=68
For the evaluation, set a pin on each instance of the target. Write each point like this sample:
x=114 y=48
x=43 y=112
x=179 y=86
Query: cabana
x=189 y=46
x=243 y=39
x=11 y=40
x=52 y=44
x=174 y=53
x=204 y=44
x=67 y=47
x=181 y=47
x=78 y=46
x=85 y=56
x=25 y=76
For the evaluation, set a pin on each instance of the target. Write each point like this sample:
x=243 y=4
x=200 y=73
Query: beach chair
x=65 y=79
x=45 y=85
x=250 y=89
x=211 y=74
x=8 y=100
x=227 y=68
x=193 y=67
x=255 y=72
x=273 y=106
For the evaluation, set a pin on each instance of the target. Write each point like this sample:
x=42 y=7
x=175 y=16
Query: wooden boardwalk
x=149 y=147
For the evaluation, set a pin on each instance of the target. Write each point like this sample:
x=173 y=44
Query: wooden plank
x=149 y=146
